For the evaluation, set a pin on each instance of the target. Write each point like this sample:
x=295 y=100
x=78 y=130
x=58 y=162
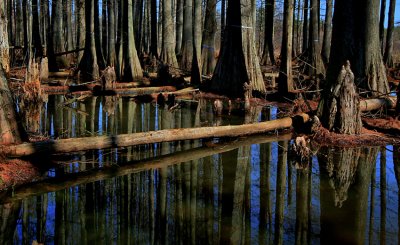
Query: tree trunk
x=154 y=35
x=314 y=66
x=286 y=84
x=81 y=27
x=69 y=43
x=326 y=44
x=97 y=36
x=387 y=58
x=168 y=46
x=187 y=36
x=104 y=29
x=341 y=111
x=37 y=43
x=131 y=64
x=268 y=51
x=4 y=51
x=196 y=32
x=57 y=35
x=208 y=47
x=305 y=26
x=112 y=55
x=382 y=25
x=88 y=64
x=179 y=25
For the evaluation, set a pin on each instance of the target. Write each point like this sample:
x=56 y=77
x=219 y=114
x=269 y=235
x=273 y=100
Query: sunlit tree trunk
x=305 y=26
x=112 y=55
x=88 y=64
x=69 y=43
x=179 y=25
x=326 y=43
x=388 y=55
x=187 y=36
x=286 y=84
x=4 y=49
x=168 y=45
x=81 y=26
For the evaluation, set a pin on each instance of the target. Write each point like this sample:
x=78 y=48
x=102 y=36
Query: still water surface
x=245 y=191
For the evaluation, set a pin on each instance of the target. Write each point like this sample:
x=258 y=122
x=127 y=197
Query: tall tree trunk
x=382 y=25
x=305 y=26
x=131 y=65
x=18 y=23
x=315 y=65
x=196 y=32
x=37 y=43
x=57 y=35
x=112 y=55
x=97 y=36
x=153 y=31
x=168 y=46
x=326 y=43
x=104 y=29
x=44 y=20
x=68 y=29
x=4 y=50
x=88 y=64
x=27 y=19
x=81 y=27
x=387 y=58
x=286 y=84
x=223 y=21
x=179 y=25
x=268 y=51
x=187 y=36
x=208 y=47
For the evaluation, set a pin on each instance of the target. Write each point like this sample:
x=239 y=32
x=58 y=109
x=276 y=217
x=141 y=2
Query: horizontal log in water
x=376 y=104
x=122 y=140
x=74 y=179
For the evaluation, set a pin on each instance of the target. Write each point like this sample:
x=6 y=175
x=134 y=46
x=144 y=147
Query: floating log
x=69 y=180
x=122 y=140
x=376 y=104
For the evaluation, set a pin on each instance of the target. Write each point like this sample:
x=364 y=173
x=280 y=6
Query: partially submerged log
x=101 y=142
x=69 y=180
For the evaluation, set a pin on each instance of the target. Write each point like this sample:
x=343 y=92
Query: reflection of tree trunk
x=178 y=203
x=161 y=237
x=208 y=192
x=280 y=191
x=41 y=212
x=372 y=205
x=382 y=233
x=60 y=218
x=345 y=180
x=396 y=167
x=265 y=201
x=9 y=215
x=302 y=206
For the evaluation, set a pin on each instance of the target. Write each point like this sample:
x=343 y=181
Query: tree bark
x=305 y=26
x=179 y=25
x=196 y=32
x=57 y=35
x=268 y=51
x=101 y=142
x=37 y=43
x=131 y=64
x=168 y=46
x=153 y=32
x=208 y=47
x=112 y=55
x=326 y=44
x=388 y=58
x=382 y=25
x=187 y=36
x=81 y=27
x=88 y=64
x=4 y=51
x=286 y=84
x=97 y=36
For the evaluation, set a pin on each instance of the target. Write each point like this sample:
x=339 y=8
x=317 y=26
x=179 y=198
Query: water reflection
x=247 y=191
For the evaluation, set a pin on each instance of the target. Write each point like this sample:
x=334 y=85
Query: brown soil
x=16 y=172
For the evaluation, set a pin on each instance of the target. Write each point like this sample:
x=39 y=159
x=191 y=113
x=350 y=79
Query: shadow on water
x=240 y=191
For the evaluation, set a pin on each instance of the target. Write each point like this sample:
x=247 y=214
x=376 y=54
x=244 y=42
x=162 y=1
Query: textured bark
x=27 y=19
x=326 y=44
x=256 y=81
x=179 y=25
x=69 y=43
x=112 y=55
x=97 y=36
x=382 y=25
x=286 y=84
x=4 y=52
x=37 y=42
x=187 y=36
x=57 y=34
x=88 y=64
x=81 y=26
x=104 y=29
x=342 y=111
x=305 y=25
x=44 y=20
x=197 y=24
x=208 y=47
x=387 y=58
x=168 y=45
x=268 y=50
x=131 y=64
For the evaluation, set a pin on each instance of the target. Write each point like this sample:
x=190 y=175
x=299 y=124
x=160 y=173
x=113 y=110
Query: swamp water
x=245 y=191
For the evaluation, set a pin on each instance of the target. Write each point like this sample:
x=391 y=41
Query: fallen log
x=376 y=104
x=122 y=140
x=74 y=179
